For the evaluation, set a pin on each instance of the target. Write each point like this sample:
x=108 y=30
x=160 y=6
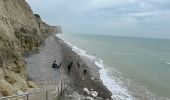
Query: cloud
x=133 y=16
x=99 y=7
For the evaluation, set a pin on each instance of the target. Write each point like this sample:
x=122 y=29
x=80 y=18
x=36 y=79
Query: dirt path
x=39 y=65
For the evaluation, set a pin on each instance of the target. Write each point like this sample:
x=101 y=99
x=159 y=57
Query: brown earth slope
x=20 y=31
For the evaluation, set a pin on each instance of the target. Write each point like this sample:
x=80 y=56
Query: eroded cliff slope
x=20 y=31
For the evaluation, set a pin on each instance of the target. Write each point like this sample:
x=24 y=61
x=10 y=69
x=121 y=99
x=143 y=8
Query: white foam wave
x=118 y=92
x=82 y=53
x=76 y=49
x=168 y=62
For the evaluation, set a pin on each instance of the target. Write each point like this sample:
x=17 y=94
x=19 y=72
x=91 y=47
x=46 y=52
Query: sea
x=132 y=68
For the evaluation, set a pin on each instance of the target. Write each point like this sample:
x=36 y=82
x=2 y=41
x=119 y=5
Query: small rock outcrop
x=21 y=31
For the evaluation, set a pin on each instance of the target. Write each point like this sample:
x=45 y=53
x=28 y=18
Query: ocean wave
x=168 y=62
x=118 y=92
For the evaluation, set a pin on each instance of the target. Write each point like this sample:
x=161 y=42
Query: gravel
x=39 y=65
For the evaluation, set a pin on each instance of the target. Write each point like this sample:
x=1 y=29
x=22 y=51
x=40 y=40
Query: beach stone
x=94 y=93
x=92 y=78
x=20 y=92
x=86 y=91
x=99 y=98
x=74 y=96
x=31 y=84
x=88 y=98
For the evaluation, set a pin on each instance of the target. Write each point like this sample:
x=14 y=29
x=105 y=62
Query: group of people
x=55 y=65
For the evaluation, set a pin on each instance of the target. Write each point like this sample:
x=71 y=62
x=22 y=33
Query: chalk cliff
x=21 y=31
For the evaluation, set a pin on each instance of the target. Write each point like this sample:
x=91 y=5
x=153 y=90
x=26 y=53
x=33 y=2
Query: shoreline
x=91 y=80
x=120 y=86
x=77 y=81
x=55 y=49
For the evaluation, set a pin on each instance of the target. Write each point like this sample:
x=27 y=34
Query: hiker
x=78 y=64
x=71 y=64
x=54 y=65
x=69 y=67
x=85 y=71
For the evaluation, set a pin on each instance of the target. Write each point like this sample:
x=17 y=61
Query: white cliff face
x=20 y=31
x=58 y=29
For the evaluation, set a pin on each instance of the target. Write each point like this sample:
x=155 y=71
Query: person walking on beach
x=69 y=67
x=84 y=72
x=78 y=64
x=71 y=64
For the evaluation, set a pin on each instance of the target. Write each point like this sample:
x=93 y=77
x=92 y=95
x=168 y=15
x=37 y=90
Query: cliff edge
x=21 y=31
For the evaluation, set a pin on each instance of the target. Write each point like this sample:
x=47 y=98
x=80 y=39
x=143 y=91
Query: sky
x=139 y=18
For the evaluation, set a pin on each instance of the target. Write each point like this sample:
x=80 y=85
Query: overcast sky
x=146 y=18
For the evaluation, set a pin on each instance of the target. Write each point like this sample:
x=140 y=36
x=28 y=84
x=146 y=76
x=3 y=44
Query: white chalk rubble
x=92 y=93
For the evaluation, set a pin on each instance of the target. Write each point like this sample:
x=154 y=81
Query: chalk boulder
x=86 y=91
x=94 y=93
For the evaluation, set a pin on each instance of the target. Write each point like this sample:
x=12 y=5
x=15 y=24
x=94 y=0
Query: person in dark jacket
x=69 y=67
x=71 y=64
x=78 y=64
x=84 y=72
x=54 y=65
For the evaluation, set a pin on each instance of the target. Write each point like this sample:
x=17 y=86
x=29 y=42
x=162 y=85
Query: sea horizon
x=142 y=37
